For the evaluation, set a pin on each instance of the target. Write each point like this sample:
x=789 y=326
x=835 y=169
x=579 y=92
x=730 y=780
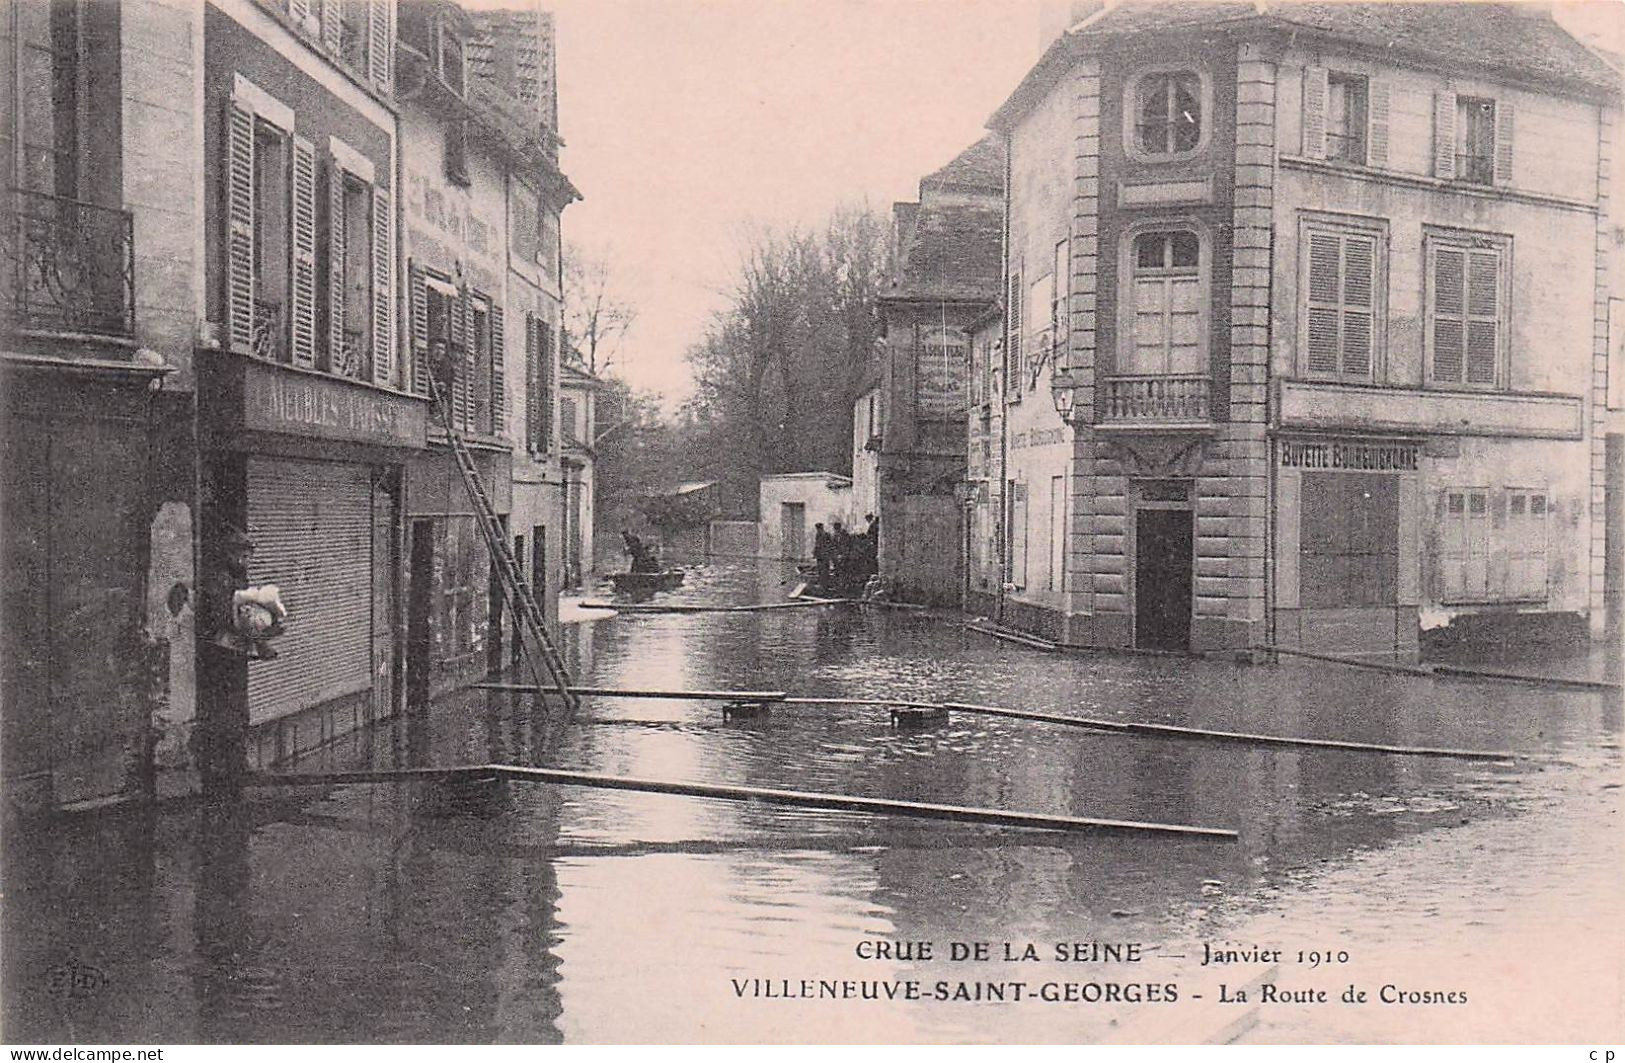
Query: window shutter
x=338 y=358
x=499 y=375
x=458 y=310
x=1378 y=103
x=1483 y=320
x=1012 y=351
x=333 y=24
x=1324 y=286
x=1314 y=112
x=304 y=253
x=383 y=287
x=1503 y=142
x=1444 y=135
x=299 y=11
x=1449 y=331
x=380 y=42
x=533 y=384
x=419 y=295
x=239 y=227
x=1359 y=282
x=545 y=376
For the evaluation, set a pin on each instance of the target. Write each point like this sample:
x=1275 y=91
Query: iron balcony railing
x=1150 y=400
x=69 y=267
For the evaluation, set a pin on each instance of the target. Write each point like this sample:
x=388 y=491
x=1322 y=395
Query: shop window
x=1166 y=109
x=1342 y=281
x=1166 y=320
x=1492 y=545
x=1348 y=540
x=1467 y=310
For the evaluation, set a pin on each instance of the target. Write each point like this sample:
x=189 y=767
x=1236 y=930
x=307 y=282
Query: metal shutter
x=311 y=523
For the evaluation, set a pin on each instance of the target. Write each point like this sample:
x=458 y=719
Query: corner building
x=1336 y=321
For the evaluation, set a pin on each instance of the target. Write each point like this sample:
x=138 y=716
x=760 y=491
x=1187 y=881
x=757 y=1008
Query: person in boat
x=841 y=562
x=643 y=559
x=823 y=554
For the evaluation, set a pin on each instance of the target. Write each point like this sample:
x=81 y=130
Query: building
x=866 y=436
x=99 y=280
x=578 y=391
x=793 y=504
x=1332 y=375
x=482 y=196
x=945 y=273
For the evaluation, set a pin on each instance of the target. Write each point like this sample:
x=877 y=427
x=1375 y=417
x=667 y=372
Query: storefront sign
x=303 y=404
x=1038 y=437
x=1348 y=455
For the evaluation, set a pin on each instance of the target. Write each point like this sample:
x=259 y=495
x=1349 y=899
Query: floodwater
x=369 y=914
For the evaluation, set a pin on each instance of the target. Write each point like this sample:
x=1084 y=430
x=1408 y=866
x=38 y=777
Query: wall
x=826 y=498
x=866 y=432
x=450 y=226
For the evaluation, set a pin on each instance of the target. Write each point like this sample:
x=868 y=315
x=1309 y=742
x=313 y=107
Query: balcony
x=1157 y=401
x=67 y=267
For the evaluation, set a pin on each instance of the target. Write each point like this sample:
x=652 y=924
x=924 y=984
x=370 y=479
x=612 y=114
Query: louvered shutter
x=333 y=24
x=532 y=384
x=457 y=309
x=499 y=377
x=1379 y=104
x=240 y=227
x=338 y=357
x=546 y=397
x=1444 y=135
x=380 y=44
x=383 y=287
x=1483 y=315
x=299 y=10
x=1503 y=142
x=1325 y=286
x=1012 y=353
x=1359 y=281
x=304 y=253
x=1314 y=112
x=419 y=295
x=1449 y=313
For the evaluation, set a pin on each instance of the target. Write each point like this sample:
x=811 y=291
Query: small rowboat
x=646 y=582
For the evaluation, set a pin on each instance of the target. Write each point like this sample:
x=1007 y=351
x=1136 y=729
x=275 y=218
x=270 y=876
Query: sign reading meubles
x=1349 y=455
x=276 y=401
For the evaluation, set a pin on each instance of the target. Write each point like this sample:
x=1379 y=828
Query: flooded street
x=350 y=914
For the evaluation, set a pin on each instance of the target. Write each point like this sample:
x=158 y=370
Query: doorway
x=793 y=529
x=420 y=582
x=1163 y=569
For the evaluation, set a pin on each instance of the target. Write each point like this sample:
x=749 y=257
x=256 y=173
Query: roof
x=952 y=246
x=1504 y=41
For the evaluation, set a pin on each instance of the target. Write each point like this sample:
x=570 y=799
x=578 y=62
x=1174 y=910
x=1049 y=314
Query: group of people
x=643 y=556
x=842 y=558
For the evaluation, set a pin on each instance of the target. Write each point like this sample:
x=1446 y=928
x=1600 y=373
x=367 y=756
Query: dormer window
x=451 y=60
x=434 y=31
x=1165 y=114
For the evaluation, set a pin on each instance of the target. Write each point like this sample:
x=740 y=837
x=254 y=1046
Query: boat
x=635 y=583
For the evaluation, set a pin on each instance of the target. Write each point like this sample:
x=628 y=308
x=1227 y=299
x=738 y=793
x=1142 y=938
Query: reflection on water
x=351 y=913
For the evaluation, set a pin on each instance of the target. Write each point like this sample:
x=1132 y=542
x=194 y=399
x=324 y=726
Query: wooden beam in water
x=720 y=792
x=618 y=692
x=634 y=608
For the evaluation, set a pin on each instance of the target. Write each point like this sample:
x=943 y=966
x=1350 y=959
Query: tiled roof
x=979 y=166
x=952 y=249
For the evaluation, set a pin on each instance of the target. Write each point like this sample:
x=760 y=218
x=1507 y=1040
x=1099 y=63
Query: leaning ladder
x=530 y=629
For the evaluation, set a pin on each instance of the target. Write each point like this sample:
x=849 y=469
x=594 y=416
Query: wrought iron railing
x=270 y=334
x=1158 y=399
x=1475 y=169
x=68 y=266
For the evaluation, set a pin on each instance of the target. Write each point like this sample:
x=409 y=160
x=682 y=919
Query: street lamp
x=965 y=491
x=1061 y=392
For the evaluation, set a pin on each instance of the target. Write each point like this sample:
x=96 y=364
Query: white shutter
x=380 y=44
x=383 y=287
x=240 y=227
x=1449 y=268
x=1444 y=135
x=1379 y=103
x=337 y=357
x=333 y=24
x=1483 y=316
x=1314 y=112
x=1325 y=286
x=304 y=253
x=1359 y=303
x=1503 y=142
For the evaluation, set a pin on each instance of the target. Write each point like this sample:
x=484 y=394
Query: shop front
x=311 y=469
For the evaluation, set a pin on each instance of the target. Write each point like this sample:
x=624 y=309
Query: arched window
x=1167 y=109
x=1167 y=322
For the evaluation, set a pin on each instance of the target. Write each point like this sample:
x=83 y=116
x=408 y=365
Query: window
x=1012 y=347
x=452 y=68
x=1348 y=540
x=1054 y=577
x=1341 y=284
x=1017 y=518
x=1467 y=300
x=1475 y=140
x=271 y=242
x=1058 y=294
x=1346 y=118
x=539 y=386
x=568 y=428
x=1167 y=113
x=1492 y=545
x=479 y=358
x=1041 y=340
x=441 y=348
x=47 y=113
x=350 y=276
x=457 y=152
x=1166 y=320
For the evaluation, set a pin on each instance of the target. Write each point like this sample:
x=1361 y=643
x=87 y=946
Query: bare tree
x=596 y=316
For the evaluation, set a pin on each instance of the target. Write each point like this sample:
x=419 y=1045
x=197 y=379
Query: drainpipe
x=1004 y=405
